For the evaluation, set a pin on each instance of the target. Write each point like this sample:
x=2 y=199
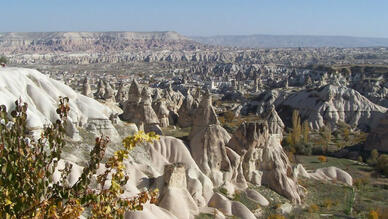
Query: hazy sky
x=199 y=17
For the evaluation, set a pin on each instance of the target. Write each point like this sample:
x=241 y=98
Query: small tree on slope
x=27 y=188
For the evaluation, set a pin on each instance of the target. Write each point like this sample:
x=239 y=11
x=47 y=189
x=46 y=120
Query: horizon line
x=204 y=36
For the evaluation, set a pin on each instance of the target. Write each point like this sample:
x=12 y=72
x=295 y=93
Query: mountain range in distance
x=287 y=41
x=122 y=41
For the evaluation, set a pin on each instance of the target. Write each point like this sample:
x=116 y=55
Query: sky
x=365 y=18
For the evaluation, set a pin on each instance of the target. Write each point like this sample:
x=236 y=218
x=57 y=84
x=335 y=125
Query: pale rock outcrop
x=104 y=127
x=100 y=92
x=86 y=89
x=42 y=93
x=169 y=150
x=230 y=208
x=248 y=136
x=162 y=112
x=217 y=214
x=134 y=92
x=299 y=170
x=256 y=197
x=208 y=149
x=131 y=105
x=120 y=95
x=277 y=171
x=186 y=111
x=157 y=95
x=252 y=154
x=206 y=144
x=75 y=172
x=197 y=95
x=173 y=99
x=285 y=208
x=72 y=131
x=238 y=178
x=179 y=202
x=150 y=211
x=334 y=174
x=332 y=104
x=275 y=123
x=175 y=175
x=264 y=101
x=246 y=141
x=109 y=93
x=264 y=160
x=174 y=196
x=148 y=118
x=204 y=115
x=166 y=164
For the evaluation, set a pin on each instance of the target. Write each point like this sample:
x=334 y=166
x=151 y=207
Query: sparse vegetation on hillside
x=370 y=190
x=302 y=140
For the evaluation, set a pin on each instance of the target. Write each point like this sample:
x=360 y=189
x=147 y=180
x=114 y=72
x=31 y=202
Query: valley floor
x=330 y=200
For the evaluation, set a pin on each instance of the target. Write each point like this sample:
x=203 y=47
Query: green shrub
x=303 y=148
x=382 y=164
x=374 y=154
x=313 y=208
x=276 y=216
x=223 y=191
x=229 y=116
x=27 y=189
x=322 y=159
x=360 y=182
x=3 y=60
x=328 y=204
x=373 y=215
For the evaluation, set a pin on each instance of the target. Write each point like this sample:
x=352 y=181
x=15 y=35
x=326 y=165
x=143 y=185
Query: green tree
x=27 y=188
x=3 y=60
x=296 y=128
x=229 y=116
x=382 y=164
x=374 y=154
x=305 y=131
x=326 y=136
x=297 y=139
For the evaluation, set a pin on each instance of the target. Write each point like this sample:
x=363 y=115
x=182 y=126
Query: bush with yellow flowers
x=322 y=159
x=276 y=216
x=27 y=188
x=373 y=215
x=313 y=208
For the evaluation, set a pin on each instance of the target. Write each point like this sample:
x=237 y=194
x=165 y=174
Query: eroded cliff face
x=332 y=104
x=42 y=93
x=252 y=154
x=264 y=161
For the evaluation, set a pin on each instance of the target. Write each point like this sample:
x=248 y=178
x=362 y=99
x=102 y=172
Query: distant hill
x=163 y=35
x=46 y=42
x=282 y=41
